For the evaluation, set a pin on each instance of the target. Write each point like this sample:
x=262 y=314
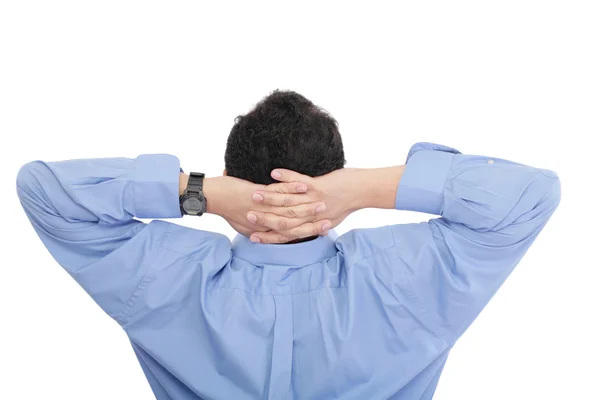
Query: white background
x=512 y=79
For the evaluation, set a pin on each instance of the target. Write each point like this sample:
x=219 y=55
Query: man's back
x=305 y=322
x=372 y=314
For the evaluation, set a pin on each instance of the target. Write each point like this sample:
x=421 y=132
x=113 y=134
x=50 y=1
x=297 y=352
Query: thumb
x=286 y=175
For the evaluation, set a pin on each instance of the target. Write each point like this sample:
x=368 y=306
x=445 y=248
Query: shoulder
x=359 y=244
x=189 y=241
x=363 y=243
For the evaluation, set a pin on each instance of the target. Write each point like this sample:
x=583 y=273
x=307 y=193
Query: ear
x=224 y=172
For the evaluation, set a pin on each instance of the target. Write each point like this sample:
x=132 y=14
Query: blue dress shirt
x=369 y=315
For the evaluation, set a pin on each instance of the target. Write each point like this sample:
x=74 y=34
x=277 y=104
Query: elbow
x=28 y=182
x=550 y=190
x=554 y=194
x=549 y=200
x=535 y=207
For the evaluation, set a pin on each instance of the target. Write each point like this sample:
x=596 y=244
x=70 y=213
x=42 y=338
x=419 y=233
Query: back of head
x=284 y=130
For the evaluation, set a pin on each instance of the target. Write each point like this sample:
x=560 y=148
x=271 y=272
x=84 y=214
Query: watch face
x=193 y=205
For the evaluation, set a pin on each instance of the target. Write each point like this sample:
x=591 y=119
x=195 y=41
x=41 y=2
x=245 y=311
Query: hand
x=342 y=192
x=335 y=191
x=232 y=198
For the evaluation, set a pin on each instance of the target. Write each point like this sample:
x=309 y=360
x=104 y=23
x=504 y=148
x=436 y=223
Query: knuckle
x=267 y=198
x=268 y=221
x=281 y=224
x=291 y=213
x=282 y=239
x=287 y=201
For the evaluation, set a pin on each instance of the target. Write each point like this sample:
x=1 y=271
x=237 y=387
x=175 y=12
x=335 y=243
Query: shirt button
x=490 y=161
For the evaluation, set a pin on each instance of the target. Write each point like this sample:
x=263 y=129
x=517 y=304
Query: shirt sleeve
x=84 y=212
x=491 y=211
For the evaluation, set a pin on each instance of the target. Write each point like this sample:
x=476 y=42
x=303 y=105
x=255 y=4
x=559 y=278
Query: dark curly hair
x=284 y=130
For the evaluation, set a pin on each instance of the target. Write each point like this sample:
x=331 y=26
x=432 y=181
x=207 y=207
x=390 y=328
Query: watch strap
x=195 y=182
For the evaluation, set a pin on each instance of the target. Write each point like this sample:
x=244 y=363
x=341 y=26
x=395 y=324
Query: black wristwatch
x=192 y=201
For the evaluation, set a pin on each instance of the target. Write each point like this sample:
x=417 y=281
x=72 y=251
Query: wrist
x=376 y=187
x=210 y=191
x=183 y=181
x=213 y=195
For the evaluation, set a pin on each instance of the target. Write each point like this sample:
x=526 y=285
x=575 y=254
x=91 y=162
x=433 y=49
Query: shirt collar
x=297 y=254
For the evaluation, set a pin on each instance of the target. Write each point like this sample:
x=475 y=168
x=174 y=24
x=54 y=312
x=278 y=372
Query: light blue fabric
x=372 y=314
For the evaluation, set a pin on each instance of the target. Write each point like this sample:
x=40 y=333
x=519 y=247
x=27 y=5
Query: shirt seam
x=125 y=315
x=446 y=179
x=133 y=189
x=375 y=253
x=432 y=325
x=412 y=296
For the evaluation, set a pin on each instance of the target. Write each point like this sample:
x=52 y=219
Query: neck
x=302 y=240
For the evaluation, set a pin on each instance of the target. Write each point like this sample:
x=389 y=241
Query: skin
x=298 y=206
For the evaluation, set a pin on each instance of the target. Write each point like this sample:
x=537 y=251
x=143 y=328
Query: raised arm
x=85 y=211
x=491 y=211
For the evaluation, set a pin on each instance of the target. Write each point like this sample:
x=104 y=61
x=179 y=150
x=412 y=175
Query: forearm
x=375 y=187
x=476 y=191
x=215 y=196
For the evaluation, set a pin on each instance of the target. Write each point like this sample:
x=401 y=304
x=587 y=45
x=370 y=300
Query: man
x=372 y=314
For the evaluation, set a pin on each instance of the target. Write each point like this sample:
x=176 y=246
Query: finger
x=286 y=187
x=286 y=175
x=273 y=221
x=299 y=211
x=281 y=199
x=303 y=231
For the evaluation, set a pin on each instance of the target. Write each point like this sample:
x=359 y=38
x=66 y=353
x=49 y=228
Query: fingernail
x=276 y=174
x=252 y=217
x=326 y=226
x=321 y=208
x=301 y=188
x=257 y=197
x=254 y=239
